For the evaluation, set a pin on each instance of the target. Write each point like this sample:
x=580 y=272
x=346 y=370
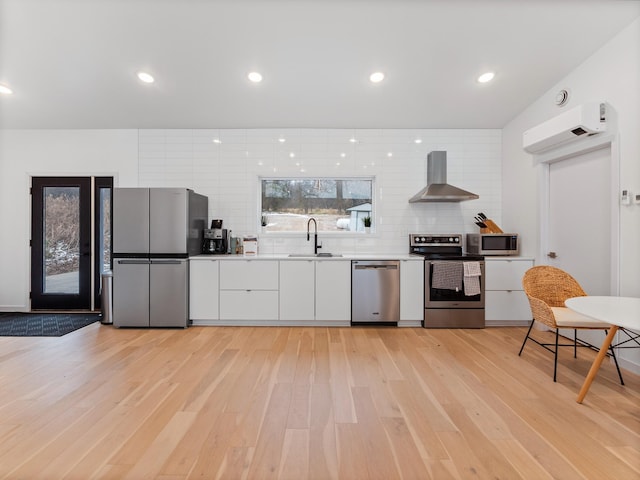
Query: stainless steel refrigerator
x=155 y=230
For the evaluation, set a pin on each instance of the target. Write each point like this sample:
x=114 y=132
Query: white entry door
x=579 y=234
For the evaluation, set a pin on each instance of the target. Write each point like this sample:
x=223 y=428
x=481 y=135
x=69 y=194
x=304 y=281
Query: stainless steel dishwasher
x=375 y=291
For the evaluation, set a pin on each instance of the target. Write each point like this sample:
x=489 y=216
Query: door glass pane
x=62 y=239
x=105 y=230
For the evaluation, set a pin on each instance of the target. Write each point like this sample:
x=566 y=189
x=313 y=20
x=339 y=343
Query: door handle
x=552 y=255
x=134 y=262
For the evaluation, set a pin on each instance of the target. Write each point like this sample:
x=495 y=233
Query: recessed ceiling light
x=217 y=140
x=145 y=77
x=418 y=140
x=255 y=77
x=343 y=155
x=486 y=77
x=376 y=77
x=353 y=140
x=282 y=139
x=292 y=155
x=5 y=90
x=390 y=154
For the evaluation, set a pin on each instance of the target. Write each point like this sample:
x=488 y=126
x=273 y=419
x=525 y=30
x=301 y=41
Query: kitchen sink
x=312 y=255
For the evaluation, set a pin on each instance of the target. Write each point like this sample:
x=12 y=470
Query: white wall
x=27 y=153
x=228 y=173
x=612 y=75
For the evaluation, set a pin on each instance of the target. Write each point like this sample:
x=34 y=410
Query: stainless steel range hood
x=437 y=189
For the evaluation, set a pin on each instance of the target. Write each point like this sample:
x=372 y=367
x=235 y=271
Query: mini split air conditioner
x=579 y=122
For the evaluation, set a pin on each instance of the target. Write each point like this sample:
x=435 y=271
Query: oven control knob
x=450 y=239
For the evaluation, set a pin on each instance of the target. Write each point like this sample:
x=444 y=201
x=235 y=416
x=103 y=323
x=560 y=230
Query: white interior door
x=580 y=223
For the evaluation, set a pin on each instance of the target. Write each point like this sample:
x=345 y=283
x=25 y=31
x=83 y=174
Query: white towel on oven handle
x=472 y=269
x=472 y=273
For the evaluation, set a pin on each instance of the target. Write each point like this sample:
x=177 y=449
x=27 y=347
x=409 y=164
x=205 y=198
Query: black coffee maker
x=215 y=239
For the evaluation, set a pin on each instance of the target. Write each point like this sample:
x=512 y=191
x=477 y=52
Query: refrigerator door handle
x=166 y=262
x=134 y=262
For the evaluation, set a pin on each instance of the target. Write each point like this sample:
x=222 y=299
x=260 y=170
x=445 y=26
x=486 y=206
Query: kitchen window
x=339 y=205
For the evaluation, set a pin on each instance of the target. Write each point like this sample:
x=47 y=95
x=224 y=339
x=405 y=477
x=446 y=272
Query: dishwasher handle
x=376 y=267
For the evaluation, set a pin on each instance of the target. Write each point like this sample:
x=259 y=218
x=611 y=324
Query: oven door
x=452 y=297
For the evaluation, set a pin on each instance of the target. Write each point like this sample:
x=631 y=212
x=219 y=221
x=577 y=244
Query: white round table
x=620 y=312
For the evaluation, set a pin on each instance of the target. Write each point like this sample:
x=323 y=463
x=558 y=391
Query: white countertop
x=505 y=257
x=285 y=256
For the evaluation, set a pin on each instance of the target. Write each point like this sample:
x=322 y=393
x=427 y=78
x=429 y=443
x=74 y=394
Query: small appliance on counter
x=215 y=239
x=492 y=243
x=491 y=240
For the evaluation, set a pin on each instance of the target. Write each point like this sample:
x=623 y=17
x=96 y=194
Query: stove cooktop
x=443 y=256
x=440 y=247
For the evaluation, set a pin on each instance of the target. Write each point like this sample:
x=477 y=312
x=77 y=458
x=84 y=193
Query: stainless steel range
x=453 y=282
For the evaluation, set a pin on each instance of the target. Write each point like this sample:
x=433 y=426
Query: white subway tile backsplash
x=229 y=172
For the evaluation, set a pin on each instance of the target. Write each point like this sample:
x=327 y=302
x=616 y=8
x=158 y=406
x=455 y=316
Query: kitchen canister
x=250 y=245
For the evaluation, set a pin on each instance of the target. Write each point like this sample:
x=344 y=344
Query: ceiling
x=73 y=63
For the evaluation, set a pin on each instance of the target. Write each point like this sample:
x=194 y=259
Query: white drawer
x=505 y=305
x=248 y=305
x=248 y=275
x=505 y=274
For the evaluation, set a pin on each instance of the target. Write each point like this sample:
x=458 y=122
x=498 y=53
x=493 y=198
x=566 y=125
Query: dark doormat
x=43 y=324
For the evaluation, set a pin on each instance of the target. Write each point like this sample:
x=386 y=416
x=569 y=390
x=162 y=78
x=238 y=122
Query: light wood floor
x=349 y=403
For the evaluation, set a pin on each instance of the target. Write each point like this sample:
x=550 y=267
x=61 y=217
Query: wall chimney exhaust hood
x=437 y=189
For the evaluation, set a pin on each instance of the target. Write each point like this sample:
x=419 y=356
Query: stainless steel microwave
x=493 y=243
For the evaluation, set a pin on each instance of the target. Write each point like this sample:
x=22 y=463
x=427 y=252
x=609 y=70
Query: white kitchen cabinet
x=333 y=291
x=203 y=289
x=249 y=275
x=505 y=301
x=249 y=290
x=297 y=290
x=411 y=292
x=249 y=305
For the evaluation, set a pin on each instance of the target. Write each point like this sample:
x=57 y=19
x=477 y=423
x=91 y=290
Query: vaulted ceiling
x=73 y=63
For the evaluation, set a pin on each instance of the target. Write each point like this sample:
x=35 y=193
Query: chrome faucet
x=315 y=235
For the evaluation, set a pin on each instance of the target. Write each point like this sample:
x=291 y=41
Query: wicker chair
x=547 y=288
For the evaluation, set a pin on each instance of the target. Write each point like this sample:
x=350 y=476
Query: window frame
x=337 y=233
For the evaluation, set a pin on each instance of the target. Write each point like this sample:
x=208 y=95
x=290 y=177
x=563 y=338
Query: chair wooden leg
x=555 y=359
x=575 y=343
x=527 y=337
